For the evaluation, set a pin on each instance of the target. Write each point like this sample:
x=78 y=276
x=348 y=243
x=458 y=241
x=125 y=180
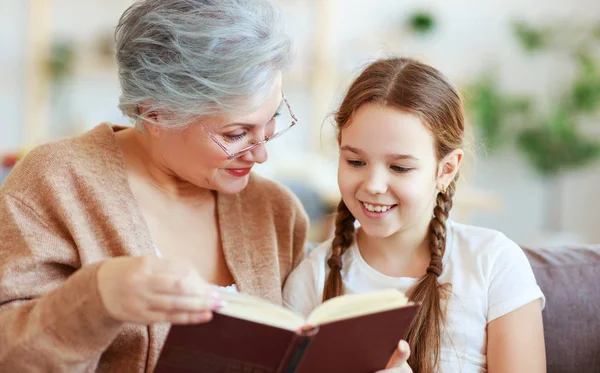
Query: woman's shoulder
x=58 y=164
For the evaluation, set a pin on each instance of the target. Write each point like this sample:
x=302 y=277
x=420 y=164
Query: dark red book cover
x=227 y=344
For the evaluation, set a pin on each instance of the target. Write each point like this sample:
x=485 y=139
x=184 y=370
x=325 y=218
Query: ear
x=154 y=117
x=448 y=168
x=152 y=129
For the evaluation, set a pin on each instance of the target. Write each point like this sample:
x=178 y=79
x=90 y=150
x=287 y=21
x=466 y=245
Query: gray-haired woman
x=108 y=237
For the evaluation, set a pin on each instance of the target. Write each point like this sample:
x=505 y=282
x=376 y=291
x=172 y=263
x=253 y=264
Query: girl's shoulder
x=320 y=251
x=484 y=248
x=478 y=239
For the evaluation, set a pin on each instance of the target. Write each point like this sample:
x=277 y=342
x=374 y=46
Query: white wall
x=471 y=36
x=12 y=73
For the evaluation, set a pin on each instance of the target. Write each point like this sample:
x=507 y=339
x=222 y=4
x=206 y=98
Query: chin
x=231 y=187
x=380 y=231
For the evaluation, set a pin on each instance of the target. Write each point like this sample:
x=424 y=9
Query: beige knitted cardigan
x=66 y=207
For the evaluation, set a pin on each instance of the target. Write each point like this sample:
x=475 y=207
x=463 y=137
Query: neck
x=148 y=165
x=403 y=254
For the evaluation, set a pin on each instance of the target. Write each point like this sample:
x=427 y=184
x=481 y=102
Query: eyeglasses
x=254 y=144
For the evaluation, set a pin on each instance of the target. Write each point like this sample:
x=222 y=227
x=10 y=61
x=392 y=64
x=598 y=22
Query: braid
x=344 y=233
x=424 y=335
x=437 y=228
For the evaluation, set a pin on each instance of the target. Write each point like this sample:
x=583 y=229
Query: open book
x=351 y=333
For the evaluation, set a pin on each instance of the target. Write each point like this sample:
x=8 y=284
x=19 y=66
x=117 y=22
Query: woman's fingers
x=176 y=284
x=173 y=303
x=185 y=283
x=179 y=317
x=147 y=289
x=190 y=317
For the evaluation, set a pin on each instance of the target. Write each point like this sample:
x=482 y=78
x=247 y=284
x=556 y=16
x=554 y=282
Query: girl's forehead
x=378 y=127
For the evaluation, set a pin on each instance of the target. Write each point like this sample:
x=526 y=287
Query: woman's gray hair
x=191 y=58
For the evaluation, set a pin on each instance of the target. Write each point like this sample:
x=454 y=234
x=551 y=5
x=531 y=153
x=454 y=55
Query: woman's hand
x=149 y=289
x=398 y=362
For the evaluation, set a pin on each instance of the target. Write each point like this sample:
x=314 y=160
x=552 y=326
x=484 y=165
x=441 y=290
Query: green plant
x=61 y=60
x=555 y=145
x=421 y=22
x=532 y=39
x=551 y=142
x=585 y=91
x=496 y=113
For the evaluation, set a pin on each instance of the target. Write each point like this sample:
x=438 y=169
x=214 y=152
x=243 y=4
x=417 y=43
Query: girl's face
x=388 y=170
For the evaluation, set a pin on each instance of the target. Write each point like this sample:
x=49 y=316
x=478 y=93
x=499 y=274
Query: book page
x=254 y=309
x=353 y=305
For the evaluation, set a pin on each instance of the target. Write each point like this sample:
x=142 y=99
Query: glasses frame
x=254 y=144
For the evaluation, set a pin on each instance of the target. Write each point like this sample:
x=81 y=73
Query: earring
x=442 y=188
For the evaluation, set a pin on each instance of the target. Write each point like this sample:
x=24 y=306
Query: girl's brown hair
x=425 y=92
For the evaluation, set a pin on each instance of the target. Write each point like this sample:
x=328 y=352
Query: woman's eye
x=355 y=163
x=234 y=137
x=400 y=169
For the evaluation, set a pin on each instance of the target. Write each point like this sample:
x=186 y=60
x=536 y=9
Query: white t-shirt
x=490 y=277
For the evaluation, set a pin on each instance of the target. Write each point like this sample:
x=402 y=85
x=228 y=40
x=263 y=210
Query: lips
x=376 y=210
x=238 y=172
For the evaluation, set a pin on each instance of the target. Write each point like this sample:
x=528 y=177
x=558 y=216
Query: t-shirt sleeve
x=301 y=292
x=512 y=282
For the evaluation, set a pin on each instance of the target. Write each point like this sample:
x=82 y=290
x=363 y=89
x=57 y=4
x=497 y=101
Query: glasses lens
x=281 y=122
x=283 y=119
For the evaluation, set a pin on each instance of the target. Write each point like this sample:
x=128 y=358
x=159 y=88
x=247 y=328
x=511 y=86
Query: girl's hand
x=149 y=289
x=398 y=362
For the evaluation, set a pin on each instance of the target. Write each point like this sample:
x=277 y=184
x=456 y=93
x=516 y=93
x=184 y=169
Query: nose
x=257 y=155
x=375 y=182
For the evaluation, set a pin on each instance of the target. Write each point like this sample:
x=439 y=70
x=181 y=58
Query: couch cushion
x=570 y=280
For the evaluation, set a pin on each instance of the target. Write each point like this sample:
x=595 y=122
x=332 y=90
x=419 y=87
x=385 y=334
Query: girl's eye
x=355 y=163
x=400 y=169
x=235 y=137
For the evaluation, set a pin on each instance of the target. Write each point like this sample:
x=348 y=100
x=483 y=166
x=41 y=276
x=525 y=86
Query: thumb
x=400 y=356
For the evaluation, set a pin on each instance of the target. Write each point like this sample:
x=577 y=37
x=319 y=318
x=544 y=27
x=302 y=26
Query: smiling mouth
x=238 y=172
x=377 y=207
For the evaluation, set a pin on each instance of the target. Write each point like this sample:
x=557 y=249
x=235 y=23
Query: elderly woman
x=109 y=237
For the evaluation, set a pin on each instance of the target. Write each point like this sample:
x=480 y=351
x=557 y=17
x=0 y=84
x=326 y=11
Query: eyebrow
x=391 y=156
x=252 y=125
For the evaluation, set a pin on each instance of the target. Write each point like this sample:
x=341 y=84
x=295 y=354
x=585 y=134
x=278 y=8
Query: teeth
x=376 y=208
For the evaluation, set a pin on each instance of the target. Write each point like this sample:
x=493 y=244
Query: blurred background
x=529 y=71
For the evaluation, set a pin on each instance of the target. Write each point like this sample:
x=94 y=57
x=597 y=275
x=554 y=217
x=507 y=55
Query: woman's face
x=193 y=156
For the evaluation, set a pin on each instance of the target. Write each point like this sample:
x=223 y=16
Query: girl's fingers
x=400 y=356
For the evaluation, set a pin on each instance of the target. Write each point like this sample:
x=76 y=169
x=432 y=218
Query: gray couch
x=570 y=280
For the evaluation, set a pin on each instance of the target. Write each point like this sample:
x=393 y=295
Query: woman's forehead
x=258 y=117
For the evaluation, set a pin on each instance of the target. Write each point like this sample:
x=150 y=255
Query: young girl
x=401 y=130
